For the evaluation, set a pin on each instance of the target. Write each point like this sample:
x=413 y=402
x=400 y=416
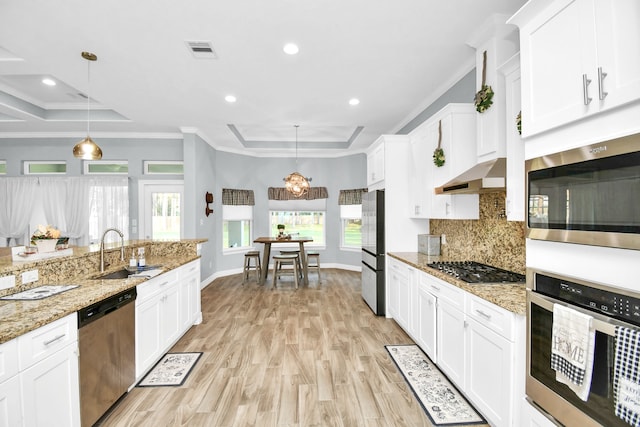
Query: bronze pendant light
x=295 y=183
x=87 y=149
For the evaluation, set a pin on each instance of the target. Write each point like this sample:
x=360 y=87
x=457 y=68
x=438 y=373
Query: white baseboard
x=233 y=271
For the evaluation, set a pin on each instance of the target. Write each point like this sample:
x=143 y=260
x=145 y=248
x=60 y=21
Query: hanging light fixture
x=295 y=183
x=87 y=149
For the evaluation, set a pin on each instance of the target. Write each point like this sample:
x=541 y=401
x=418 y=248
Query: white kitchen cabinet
x=189 y=277
x=533 y=417
x=10 y=402
x=575 y=59
x=451 y=342
x=515 y=204
x=420 y=188
x=375 y=163
x=49 y=378
x=157 y=319
x=455 y=206
x=399 y=292
x=425 y=318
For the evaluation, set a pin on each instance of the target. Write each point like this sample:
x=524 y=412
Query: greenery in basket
x=484 y=99
x=438 y=157
x=519 y=122
x=45 y=232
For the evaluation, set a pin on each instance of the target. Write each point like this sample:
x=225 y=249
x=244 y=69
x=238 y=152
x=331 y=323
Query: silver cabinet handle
x=585 y=89
x=435 y=288
x=483 y=314
x=163 y=284
x=54 y=339
x=601 y=93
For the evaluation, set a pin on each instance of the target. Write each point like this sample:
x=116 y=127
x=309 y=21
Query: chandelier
x=295 y=183
x=87 y=149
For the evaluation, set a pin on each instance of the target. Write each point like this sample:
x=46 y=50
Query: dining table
x=268 y=241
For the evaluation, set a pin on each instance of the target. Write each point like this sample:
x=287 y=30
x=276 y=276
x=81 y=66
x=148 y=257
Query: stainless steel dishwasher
x=106 y=337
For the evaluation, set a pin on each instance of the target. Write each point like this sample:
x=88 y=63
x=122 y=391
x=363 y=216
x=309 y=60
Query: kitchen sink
x=118 y=274
x=130 y=271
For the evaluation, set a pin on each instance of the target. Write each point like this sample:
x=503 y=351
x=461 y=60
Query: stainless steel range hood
x=484 y=177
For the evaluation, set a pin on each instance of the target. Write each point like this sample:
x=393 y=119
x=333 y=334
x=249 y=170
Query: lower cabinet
x=478 y=345
x=166 y=307
x=39 y=382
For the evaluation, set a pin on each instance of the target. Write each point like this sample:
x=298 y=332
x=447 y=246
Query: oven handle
x=601 y=323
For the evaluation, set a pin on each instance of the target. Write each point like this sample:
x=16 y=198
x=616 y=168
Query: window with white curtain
x=108 y=208
x=237 y=221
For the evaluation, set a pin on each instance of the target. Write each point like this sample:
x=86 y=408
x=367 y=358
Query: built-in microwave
x=588 y=195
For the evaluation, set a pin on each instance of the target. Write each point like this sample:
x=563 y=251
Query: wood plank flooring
x=308 y=357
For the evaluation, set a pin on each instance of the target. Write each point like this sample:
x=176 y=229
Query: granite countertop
x=20 y=317
x=511 y=297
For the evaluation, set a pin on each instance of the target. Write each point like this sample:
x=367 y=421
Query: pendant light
x=87 y=149
x=295 y=183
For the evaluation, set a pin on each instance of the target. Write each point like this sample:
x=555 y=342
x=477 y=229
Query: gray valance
x=281 y=193
x=237 y=197
x=351 y=197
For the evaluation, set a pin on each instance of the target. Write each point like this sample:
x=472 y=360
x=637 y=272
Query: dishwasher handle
x=93 y=312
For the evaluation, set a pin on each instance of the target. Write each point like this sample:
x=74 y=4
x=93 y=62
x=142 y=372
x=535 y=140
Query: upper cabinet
x=515 y=201
x=417 y=170
x=375 y=163
x=579 y=58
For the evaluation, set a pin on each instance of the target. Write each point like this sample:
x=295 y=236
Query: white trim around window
x=32 y=167
x=163 y=167
x=105 y=167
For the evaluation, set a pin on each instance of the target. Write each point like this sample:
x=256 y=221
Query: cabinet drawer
x=36 y=345
x=156 y=285
x=490 y=315
x=8 y=359
x=443 y=290
x=189 y=269
x=399 y=269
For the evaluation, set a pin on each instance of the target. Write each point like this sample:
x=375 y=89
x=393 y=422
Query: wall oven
x=588 y=195
x=611 y=310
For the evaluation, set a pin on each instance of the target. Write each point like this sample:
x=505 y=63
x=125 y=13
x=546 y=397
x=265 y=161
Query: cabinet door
x=489 y=373
x=425 y=315
x=618 y=46
x=170 y=316
x=189 y=294
x=50 y=390
x=375 y=165
x=515 y=201
x=149 y=344
x=418 y=166
x=10 y=403
x=451 y=342
x=555 y=49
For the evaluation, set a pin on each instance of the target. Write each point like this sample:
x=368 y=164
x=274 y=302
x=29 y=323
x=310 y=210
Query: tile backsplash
x=490 y=240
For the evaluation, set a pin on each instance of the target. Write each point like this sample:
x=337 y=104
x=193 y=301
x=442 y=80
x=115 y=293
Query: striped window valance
x=281 y=193
x=351 y=197
x=237 y=197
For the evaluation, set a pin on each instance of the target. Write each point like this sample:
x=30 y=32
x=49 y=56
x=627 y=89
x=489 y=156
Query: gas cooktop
x=475 y=272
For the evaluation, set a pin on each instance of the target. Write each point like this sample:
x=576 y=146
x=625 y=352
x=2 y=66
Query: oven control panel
x=609 y=302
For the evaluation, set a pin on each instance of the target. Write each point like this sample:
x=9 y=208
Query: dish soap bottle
x=141 y=260
x=133 y=262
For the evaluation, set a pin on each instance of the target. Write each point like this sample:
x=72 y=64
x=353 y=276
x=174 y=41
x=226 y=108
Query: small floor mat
x=172 y=370
x=441 y=401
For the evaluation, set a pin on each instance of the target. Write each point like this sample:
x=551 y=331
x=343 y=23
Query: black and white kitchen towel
x=626 y=375
x=572 y=346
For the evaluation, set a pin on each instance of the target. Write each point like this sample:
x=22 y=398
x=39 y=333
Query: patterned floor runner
x=442 y=402
x=172 y=370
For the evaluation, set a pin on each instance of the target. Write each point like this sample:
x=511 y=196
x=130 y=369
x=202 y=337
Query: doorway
x=160 y=210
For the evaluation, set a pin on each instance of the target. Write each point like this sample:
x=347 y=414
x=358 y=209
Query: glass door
x=160 y=210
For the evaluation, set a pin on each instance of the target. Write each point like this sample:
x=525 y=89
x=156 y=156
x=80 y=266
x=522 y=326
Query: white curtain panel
x=53 y=193
x=109 y=207
x=66 y=206
x=18 y=195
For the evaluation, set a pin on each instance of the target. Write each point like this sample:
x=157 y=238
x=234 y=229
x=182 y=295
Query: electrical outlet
x=7 y=282
x=443 y=239
x=30 y=276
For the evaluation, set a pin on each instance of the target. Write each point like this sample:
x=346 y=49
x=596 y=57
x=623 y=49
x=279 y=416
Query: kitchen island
x=81 y=268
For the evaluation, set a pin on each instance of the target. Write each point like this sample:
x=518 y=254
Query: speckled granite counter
x=509 y=297
x=20 y=317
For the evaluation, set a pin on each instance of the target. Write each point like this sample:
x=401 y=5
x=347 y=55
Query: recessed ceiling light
x=230 y=98
x=48 y=81
x=290 y=48
x=354 y=101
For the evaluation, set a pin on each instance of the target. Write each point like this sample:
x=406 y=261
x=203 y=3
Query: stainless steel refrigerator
x=373 y=261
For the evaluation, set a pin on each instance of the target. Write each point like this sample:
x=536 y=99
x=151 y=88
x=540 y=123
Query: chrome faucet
x=102 y=246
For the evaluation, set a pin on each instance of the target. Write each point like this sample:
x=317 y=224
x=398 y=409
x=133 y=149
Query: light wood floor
x=308 y=357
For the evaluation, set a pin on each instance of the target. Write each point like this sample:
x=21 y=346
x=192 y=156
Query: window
x=119 y=167
x=237 y=221
x=163 y=168
x=351 y=220
x=3 y=167
x=303 y=223
x=108 y=208
x=45 y=168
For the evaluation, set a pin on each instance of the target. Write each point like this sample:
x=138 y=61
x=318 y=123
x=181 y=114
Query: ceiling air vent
x=202 y=49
